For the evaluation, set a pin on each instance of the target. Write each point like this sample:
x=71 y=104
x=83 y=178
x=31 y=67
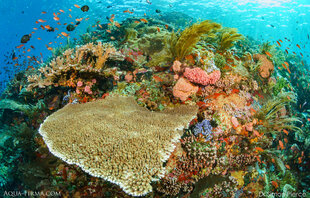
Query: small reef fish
x=128 y=11
x=279 y=43
x=144 y=20
x=117 y=24
x=281 y=145
x=56 y=18
x=259 y=149
x=166 y=26
x=43 y=12
x=275 y=184
x=298 y=46
x=20 y=46
x=42 y=21
x=64 y=34
x=136 y=21
x=62 y=11
x=158 y=29
x=77 y=6
x=268 y=54
x=157 y=78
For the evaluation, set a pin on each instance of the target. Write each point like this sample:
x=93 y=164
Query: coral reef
x=126 y=152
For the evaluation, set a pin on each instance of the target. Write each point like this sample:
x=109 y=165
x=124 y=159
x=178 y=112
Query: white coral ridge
x=116 y=139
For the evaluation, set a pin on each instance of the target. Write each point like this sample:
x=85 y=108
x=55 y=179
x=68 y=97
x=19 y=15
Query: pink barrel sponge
x=199 y=76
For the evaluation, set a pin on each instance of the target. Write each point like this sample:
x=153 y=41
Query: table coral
x=116 y=139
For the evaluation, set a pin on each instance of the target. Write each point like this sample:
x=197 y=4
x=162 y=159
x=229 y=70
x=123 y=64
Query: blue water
x=264 y=20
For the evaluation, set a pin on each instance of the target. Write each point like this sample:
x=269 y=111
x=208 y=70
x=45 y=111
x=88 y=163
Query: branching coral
x=227 y=38
x=180 y=46
x=64 y=70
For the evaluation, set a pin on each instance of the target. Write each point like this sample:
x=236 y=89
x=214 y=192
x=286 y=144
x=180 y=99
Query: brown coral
x=116 y=139
x=266 y=68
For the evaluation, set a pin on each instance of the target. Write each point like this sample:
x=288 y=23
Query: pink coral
x=183 y=89
x=234 y=121
x=87 y=89
x=199 y=76
x=79 y=83
x=176 y=66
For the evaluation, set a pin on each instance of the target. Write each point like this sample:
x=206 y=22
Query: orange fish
x=70 y=16
x=259 y=149
x=158 y=29
x=268 y=54
x=22 y=45
x=39 y=38
x=279 y=43
x=253 y=110
x=273 y=161
x=42 y=21
x=287 y=166
x=32 y=46
x=70 y=10
x=109 y=31
x=56 y=18
x=166 y=26
x=286 y=63
x=281 y=145
x=80 y=19
x=35 y=28
x=298 y=46
x=48 y=27
x=144 y=20
x=157 y=78
x=299 y=160
x=286 y=51
x=285 y=140
x=28 y=50
x=49 y=48
x=62 y=11
x=127 y=11
x=301 y=54
x=137 y=21
x=77 y=6
x=285 y=131
x=15 y=58
x=117 y=24
x=112 y=38
x=275 y=184
x=65 y=34
x=50 y=43
x=280 y=40
x=43 y=12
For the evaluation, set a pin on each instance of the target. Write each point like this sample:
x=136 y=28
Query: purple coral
x=204 y=128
